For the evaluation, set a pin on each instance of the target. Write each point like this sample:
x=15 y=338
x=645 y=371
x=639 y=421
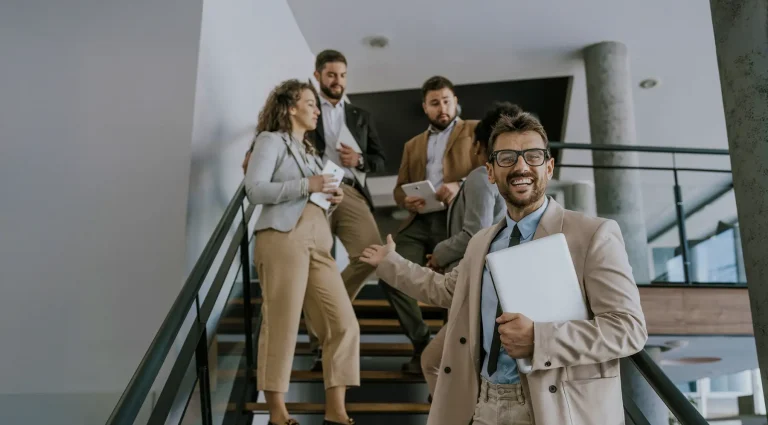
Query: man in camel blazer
x=442 y=155
x=575 y=378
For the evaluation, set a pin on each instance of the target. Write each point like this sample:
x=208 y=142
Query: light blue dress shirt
x=506 y=371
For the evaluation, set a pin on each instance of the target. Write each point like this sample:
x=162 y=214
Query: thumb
x=389 y=240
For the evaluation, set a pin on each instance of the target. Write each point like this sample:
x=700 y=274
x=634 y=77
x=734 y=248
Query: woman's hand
x=321 y=183
x=337 y=195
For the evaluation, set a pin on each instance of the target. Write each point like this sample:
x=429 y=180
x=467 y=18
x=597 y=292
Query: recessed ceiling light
x=376 y=41
x=649 y=83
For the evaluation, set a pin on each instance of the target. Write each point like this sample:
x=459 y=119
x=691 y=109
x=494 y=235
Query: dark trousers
x=414 y=243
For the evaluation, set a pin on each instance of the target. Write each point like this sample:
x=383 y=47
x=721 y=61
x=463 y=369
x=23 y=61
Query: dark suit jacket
x=361 y=126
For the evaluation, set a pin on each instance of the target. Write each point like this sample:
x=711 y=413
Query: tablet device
x=538 y=279
x=322 y=199
x=426 y=191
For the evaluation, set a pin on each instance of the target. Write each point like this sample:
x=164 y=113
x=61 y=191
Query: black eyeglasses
x=508 y=158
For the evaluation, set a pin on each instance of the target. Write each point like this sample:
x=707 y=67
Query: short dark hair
x=519 y=123
x=436 y=83
x=485 y=126
x=328 y=56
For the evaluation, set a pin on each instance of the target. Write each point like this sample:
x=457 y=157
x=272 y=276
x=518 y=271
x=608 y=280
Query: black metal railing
x=195 y=342
x=680 y=210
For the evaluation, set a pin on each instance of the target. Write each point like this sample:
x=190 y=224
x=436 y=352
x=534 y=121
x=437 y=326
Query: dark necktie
x=493 y=356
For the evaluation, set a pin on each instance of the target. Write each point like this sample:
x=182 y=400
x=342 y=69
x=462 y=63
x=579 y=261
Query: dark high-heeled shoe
x=350 y=421
x=288 y=422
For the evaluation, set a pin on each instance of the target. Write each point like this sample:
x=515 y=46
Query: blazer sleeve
x=618 y=327
x=403 y=177
x=373 y=159
x=478 y=214
x=259 y=187
x=421 y=283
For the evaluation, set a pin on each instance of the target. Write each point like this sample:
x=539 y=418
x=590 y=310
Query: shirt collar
x=433 y=130
x=326 y=102
x=530 y=222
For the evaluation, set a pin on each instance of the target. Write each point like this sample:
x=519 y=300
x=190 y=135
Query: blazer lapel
x=419 y=168
x=454 y=134
x=296 y=155
x=350 y=118
x=475 y=291
x=551 y=222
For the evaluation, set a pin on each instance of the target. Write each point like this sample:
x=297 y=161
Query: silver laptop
x=538 y=279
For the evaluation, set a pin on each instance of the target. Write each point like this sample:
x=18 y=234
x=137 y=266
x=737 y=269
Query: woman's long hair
x=274 y=116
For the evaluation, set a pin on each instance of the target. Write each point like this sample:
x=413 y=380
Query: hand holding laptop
x=516 y=335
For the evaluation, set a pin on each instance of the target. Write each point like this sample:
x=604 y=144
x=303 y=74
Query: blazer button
x=463 y=340
x=552 y=389
x=447 y=369
x=548 y=364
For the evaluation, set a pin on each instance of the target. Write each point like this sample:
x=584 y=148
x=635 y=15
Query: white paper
x=321 y=199
x=346 y=137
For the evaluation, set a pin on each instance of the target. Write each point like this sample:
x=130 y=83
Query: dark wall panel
x=399 y=116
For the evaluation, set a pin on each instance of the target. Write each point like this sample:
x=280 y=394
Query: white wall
x=246 y=48
x=96 y=112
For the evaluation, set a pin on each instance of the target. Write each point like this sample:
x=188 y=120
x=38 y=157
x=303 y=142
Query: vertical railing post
x=203 y=370
x=680 y=211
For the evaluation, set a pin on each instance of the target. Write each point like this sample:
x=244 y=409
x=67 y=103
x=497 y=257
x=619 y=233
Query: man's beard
x=537 y=190
x=439 y=125
x=331 y=95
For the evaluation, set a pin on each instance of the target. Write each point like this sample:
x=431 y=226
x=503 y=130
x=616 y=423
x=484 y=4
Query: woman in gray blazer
x=293 y=255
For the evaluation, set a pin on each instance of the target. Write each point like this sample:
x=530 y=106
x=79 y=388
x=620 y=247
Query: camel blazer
x=458 y=160
x=575 y=378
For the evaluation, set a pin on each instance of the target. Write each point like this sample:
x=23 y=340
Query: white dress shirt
x=333 y=119
x=438 y=141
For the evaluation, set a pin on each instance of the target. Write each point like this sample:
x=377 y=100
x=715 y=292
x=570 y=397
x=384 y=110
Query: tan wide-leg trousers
x=297 y=271
x=353 y=222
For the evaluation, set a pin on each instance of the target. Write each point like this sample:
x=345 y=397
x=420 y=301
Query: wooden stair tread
x=367 y=349
x=364 y=323
x=356 y=303
x=310 y=376
x=359 y=408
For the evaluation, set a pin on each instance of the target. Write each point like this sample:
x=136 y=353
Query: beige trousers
x=430 y=359
x=353 y=222
x=296 y=271
x=501 y=404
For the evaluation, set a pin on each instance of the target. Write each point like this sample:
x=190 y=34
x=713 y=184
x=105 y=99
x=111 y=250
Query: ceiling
x=499 y=40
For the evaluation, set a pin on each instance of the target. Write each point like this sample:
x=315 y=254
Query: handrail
x=638 y=148
x=680 y=406
x=132 y=399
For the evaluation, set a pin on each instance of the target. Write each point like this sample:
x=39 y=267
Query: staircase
x=386 y=394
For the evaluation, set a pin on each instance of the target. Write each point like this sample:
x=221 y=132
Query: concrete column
x=580 y=196
x=634 y=385
x=612 y=122
x=741 y=40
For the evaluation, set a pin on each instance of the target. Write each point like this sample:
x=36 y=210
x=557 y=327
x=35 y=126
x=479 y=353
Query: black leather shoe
x=317 y=366
x=350 y=421
x=413 y=366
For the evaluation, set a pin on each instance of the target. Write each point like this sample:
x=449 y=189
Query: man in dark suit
x=346 y=135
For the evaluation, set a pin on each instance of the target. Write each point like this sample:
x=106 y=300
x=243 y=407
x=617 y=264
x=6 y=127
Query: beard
x=538 y=187
x=330 y=94
x=441 y=125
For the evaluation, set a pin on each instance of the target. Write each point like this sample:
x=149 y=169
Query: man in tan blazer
x=575 y=377
x=442 y=155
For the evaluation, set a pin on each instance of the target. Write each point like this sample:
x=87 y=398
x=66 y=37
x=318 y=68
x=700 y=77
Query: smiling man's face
x=521 y=185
